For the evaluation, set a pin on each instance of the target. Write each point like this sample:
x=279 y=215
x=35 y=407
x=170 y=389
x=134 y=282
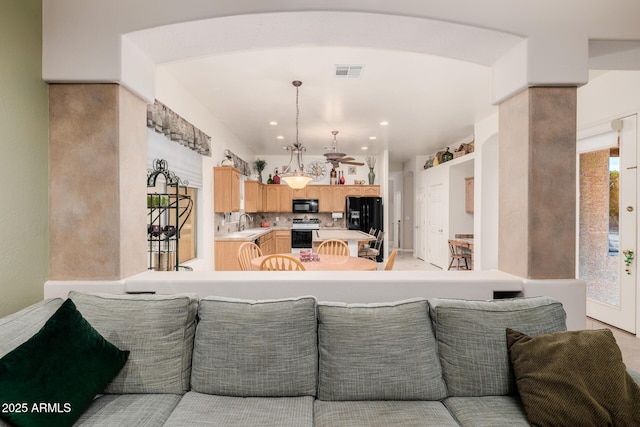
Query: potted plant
x=259 y=166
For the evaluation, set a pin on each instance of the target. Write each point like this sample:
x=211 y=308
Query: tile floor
x=629 y=344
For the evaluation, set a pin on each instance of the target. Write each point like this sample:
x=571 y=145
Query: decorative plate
x=318 y=169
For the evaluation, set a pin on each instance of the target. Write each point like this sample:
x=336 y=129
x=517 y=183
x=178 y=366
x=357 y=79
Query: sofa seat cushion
x=381 y=413
x=256 y=348
x=472 y=342
x=197 y=409
x=129 y=410
x=494 y=411
x=158 y=331
x=18 y=327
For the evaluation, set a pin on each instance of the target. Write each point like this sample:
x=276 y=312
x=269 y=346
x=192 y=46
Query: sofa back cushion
x=472 y=340
x=256 y=348
x=158 y=330
x=17 y=328
x=378 y=352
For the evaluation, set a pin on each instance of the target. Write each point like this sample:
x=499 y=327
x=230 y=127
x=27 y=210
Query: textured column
x=97 y=182
x=537 y=184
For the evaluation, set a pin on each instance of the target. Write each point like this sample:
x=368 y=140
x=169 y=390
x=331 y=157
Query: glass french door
x=607 y=223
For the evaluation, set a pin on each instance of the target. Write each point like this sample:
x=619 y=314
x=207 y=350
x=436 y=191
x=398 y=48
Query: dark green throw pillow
x=53 y=377
x=574 y=378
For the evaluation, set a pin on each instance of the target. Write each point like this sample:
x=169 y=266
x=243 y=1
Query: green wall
x=24 y=122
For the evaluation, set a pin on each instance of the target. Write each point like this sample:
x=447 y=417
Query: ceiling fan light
x=334 y=156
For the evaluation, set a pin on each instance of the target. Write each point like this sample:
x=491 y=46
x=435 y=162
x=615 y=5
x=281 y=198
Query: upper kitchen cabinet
x=324 y=194
x=277 y=198
x=226 y=189
x=299 y=193
x=370 y=190
x=254 y=196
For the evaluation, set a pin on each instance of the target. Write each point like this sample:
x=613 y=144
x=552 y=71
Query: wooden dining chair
x=334 y=247
x=246 y=252
x=372 y=252
x=459 y=256
x=280 y=262
x=391 y=260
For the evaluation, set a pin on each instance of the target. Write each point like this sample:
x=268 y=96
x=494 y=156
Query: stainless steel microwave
x=305 y=206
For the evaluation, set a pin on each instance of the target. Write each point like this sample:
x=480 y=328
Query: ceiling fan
x=335 y=157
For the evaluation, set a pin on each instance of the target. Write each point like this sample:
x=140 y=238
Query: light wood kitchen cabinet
x=352 y=190
x=285 y=196
x=282 y=241
x=254 y=196
x=267 y=243
x=277 y=198
x=339 y=194
x=324 y=194
x=271 y=198
x=299 y=193
x=226 y=256
x=226 y=189
x=370 y=190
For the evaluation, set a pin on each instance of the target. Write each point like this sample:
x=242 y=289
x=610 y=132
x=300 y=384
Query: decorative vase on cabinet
x=447 y=155
x=372 y=176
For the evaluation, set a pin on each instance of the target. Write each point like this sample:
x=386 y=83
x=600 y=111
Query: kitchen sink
x=243 y=233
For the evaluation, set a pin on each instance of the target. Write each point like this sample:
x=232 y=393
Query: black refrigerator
x=365 y=213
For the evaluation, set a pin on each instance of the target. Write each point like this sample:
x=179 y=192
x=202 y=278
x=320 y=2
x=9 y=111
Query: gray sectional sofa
x=299 y=362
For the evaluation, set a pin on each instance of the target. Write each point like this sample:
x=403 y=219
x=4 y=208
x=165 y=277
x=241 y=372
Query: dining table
x=328 y=263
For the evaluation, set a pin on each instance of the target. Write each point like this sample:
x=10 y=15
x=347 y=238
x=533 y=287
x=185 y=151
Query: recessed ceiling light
x=365 y=148
x=373 y=137
x=273 y=123
x=385 y=123
x=280 y=137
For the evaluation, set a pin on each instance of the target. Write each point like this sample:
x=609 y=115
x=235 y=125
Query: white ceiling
x=428 y=101
x=429 y=79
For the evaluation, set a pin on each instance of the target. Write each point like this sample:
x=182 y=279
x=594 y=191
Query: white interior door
x=437 y=244
x=421 y=226
x=397 y=218
x=607 y=223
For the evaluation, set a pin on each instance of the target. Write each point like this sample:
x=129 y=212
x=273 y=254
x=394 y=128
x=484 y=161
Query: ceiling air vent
x=348 y=71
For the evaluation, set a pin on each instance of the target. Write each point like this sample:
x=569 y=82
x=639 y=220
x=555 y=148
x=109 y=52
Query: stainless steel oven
x=302 y=233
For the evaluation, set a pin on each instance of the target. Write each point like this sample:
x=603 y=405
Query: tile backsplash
x=284 y=220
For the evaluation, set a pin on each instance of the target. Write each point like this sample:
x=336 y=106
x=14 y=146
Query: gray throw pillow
x=378 y=352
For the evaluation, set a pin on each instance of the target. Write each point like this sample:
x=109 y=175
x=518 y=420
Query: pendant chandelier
x=296 y=178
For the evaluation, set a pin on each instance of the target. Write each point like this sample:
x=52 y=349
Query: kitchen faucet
x=240 y=226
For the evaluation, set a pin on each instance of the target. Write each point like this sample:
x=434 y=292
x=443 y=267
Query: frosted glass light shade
x=297 y=181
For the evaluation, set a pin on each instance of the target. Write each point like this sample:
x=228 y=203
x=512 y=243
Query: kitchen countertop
x=251 y=234
x=247 y=235
x=341 y=234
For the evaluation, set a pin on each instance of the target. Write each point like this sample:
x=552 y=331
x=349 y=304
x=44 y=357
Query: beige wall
x=23 y=165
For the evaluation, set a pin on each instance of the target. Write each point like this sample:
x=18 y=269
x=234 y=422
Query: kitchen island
x=354 y=238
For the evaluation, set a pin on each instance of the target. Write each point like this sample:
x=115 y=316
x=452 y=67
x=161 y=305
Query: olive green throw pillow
x=573 y=378
x=53 y=377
